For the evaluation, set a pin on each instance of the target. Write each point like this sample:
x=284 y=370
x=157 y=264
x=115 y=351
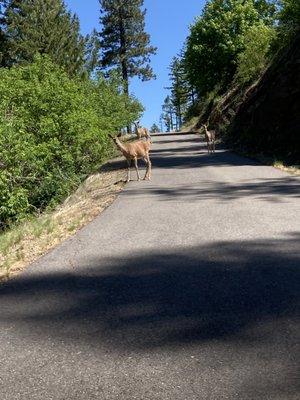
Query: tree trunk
x=123 y=60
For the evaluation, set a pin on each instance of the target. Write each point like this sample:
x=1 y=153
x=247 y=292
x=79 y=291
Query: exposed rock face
x=268 y=120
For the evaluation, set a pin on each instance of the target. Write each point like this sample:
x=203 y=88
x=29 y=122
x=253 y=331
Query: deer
x=210 y=137
x=134 y=151
x=141 y=132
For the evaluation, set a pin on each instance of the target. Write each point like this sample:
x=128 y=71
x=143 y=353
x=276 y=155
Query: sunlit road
x=186 y=288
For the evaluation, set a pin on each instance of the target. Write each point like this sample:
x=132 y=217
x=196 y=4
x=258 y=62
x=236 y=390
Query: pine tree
x=169 y=114
x=92 y=52
x=2 y=47
x=161 y=122
x=181 y=90
x=45 y=27
x=3 y=43
x=125 y=44
x=154 y=128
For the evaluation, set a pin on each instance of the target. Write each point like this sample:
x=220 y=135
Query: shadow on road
x=165 y=298
x=236 y=298
x=271 y=190
x=194 y=139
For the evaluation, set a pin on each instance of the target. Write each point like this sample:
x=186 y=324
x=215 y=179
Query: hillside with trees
x=239 y=63
x=61 y=94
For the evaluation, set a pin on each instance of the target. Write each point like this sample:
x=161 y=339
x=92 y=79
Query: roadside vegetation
x=61 y=94
x=53 y=134
x=25 y=242
x=231 y=50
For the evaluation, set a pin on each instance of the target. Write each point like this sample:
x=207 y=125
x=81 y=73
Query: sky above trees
x=168 y=23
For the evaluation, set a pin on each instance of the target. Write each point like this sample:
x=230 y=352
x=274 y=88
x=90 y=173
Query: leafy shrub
x=252 y=60
x=53 y=132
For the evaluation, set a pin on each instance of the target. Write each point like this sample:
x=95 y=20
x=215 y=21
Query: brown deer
x=210 y=137
x=141 y=132
x=134 y=151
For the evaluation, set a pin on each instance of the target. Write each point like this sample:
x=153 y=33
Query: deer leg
x=148 y=171
x=128 y=170
x=147 y=167
x=137 y=170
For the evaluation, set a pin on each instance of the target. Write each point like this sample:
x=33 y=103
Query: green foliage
x=53 y=132
x=290 y=12
x=125 y=44
x=228 y=48
x=45 y=27
x=92 y=53
x=218 y=37
x=252 y=60
x=169 y=114
x=288 y=23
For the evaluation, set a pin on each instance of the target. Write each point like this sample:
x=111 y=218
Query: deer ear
x=119 y=135
x=110 y=136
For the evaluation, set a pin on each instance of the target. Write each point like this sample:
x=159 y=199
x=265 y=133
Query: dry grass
x=295 y=169
x=26 y=242
x=190 y=126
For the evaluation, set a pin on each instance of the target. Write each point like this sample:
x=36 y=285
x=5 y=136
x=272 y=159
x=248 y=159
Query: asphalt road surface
x=186 y=288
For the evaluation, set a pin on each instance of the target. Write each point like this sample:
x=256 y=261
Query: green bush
x=253 y=59
x=53 y=132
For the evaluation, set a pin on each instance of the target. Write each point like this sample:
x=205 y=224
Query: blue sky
x=168 y=24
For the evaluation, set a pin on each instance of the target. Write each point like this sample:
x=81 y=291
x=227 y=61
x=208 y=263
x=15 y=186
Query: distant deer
x=134 y=151
x=210 y=137
x=141 y=132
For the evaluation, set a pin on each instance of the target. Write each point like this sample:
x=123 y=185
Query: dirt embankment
x=269 y=119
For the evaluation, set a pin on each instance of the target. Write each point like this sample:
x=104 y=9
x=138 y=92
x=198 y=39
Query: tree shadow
x=230 y=300
x=164 y=298
x=199 y=147
x=271 y=190
x=192 y=153
x=196 y=138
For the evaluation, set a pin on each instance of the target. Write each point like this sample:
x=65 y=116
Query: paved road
x=185 y=288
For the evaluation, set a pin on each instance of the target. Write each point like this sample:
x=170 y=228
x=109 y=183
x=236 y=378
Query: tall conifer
x=124 y=42
x=45 y=27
